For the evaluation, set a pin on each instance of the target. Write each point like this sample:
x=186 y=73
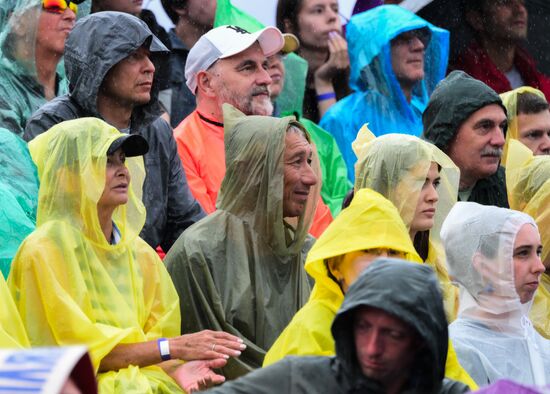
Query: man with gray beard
x=226 y=65
x=467 y=120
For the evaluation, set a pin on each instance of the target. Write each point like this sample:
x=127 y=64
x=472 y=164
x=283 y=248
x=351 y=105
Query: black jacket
x=406 y=290
x=453 y=101
x=97 y=43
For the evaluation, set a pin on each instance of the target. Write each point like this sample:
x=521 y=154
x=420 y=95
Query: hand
x=206 y=345
x=338 y=60
x=198 y=375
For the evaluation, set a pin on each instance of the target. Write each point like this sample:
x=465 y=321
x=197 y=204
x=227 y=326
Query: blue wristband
x=326 y=96
x=164 y=349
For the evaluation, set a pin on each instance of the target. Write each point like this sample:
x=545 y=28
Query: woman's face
x=424 y=214
x=349 y=269
x=316 y=19
x=527 y=264
x=117 y=182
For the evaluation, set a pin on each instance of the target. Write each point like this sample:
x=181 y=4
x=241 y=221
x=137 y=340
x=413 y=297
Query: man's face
x=201 y=12
x=505 y=19
x=299 y=177
x=127 y=6
x=130 y=80
x=276 y=71
x=477 y=146
x=407 y=56
x=243 y=81
x=385 y=345
x=53 y=30
x=527 y=265
x=534 y=131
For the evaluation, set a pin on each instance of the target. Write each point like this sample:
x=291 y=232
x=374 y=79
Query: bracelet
x=164 y=348
x=326 y=96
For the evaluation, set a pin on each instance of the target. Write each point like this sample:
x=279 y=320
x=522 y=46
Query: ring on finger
x=213 y=346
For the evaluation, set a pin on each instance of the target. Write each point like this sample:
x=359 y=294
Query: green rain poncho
x=69 y=284
x=19 y=196
x=241 y=269
x=335 y=184
x=20 y=92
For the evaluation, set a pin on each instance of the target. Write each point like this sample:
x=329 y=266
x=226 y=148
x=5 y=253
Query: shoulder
x=53 y=112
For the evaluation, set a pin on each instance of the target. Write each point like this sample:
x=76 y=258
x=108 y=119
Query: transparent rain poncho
x=241 y=269
x=12 y=331
x=370 y=222
x=19 y=196
x=396 y=166
x=492 y=334
x=70 y=285
x=510 y=101
x=528 y=183
x=20 y=92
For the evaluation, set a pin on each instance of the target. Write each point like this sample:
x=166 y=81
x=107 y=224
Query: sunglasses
x=58 y=6
x=408 y=37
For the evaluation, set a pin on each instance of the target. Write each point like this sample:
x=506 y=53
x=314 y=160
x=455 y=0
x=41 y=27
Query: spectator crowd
x=312 y=207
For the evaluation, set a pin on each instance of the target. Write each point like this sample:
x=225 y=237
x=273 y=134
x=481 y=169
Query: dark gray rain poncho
x=406 y=290
x=96 y=44
x=454 y=99
x=241 y=269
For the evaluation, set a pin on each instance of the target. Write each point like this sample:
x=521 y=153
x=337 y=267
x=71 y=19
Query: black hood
x=410 y=292
x=98 y=42
x=454 y=99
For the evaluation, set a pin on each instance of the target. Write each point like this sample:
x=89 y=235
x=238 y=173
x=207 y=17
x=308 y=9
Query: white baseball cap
x=226 y=41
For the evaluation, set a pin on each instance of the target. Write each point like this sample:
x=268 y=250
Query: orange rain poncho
x=201 y=149
x=73 y=287
x=528 y=183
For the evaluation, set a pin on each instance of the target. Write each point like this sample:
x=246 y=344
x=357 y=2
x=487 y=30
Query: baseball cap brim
x=131 y=144
x=291 y=43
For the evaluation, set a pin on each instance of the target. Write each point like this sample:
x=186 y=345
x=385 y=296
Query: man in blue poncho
x=396 y=60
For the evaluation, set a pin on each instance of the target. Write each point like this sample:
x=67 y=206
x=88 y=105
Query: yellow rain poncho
x=510 y=101
x=69 y=284
x=12 y=332
x=528 y=183
x=369 y=222
x=396 y=166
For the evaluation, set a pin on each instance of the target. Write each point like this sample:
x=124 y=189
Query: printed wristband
x=164 y=348
x=326 y=96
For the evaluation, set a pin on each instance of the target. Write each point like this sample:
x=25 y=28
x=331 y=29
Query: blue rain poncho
x=378 y=99
x=19 y=196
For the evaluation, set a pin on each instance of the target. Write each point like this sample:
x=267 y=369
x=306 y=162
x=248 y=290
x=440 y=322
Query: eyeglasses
x=58 y=6
x=408 y=37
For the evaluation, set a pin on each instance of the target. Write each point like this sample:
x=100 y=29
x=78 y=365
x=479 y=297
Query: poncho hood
x=71 y=159
x=454 y=99
x=255 y=145
x=370 y=222
x=409 y=292
x=97 y=43
x=369 y=36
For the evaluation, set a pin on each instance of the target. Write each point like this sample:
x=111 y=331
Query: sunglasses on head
x=58 y=6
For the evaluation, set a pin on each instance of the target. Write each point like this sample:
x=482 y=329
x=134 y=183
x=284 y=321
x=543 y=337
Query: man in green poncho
x=32 y=40
x=240 y=269
x=466 y=119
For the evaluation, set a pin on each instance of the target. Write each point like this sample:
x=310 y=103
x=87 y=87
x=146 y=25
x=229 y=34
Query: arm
x=338 y=61
x=9 y=118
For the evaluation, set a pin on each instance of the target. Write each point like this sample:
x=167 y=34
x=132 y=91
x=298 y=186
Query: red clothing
x=476 y=62
x=202 y=152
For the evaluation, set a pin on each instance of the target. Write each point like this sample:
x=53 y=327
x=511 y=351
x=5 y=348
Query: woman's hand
x=206 y=345
x=337 y=62
x=198 y=375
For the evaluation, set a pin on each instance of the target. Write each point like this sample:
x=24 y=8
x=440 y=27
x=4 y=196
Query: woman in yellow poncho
x=528 y=120
x=528 y=184
x=422 y=182
x=85 y=277
x=370 y=227
x=12 y=331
